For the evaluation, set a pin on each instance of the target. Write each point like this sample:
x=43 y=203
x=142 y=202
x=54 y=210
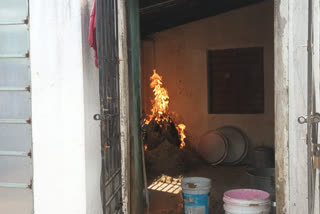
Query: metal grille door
x=15 y=109
x=107 y=42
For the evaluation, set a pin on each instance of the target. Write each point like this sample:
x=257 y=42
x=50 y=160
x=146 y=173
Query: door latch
x=105 y=117
x=98 y=117
x=315 y=118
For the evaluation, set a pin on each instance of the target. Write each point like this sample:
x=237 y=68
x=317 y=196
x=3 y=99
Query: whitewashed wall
x=65 y=90
x=91 y=107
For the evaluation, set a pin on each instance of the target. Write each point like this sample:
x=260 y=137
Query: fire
x=160 y=106
x=145 y=147
x=181 y=128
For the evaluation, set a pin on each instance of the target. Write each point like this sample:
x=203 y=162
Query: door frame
x=124 y=105
x=290 y=88
x=291 y=64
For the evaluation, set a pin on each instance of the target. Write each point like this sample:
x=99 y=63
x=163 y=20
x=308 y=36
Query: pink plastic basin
x=247 y=194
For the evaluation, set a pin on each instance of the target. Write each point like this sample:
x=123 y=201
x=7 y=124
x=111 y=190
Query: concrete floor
x=223 y=179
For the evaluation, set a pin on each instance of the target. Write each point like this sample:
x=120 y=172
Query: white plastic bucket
x=247 y=201
x=196 y=191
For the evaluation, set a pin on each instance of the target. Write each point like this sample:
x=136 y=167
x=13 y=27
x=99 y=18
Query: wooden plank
x=135 y=105
x=291 y=102
x=161 y=15
x=298 y=86
x=281 y=39
x=124 y=106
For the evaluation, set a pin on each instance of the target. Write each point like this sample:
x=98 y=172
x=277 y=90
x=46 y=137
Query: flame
x=181 y=128
x=145 y=147
x=160 y=106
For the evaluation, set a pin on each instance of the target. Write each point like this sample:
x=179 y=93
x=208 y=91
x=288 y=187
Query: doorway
x=182 y=56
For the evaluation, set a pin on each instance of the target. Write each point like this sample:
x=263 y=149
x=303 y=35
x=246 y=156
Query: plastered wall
x=91 y=107
x=65 y=96
x=180 y=57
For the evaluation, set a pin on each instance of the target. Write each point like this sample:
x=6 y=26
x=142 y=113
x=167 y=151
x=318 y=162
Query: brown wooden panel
x=236 y=81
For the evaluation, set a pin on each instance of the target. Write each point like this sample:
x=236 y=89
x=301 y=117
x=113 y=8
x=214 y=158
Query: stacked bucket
x=262 y=176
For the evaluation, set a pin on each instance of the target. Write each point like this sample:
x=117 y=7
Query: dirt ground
x=171 y=162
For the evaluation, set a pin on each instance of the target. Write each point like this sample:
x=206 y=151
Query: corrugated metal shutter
x=16 y=195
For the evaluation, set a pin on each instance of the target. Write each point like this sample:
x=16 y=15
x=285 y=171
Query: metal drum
x=238 y=145
x=213 y=147
x=263 y=179
x=263 y=157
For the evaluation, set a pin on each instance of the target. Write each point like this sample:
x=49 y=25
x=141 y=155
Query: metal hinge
x=315 y=118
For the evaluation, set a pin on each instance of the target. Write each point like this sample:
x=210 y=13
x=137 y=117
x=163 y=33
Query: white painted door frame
x=291 y=36
x=124 y=105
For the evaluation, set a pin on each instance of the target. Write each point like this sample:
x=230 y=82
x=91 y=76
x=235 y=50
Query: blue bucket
x=196 y=191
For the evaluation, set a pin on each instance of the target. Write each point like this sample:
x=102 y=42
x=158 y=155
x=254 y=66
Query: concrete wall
x=66 y=141
x=91 y=107
x=181 y=59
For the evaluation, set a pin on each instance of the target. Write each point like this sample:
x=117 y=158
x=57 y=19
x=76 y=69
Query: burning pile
x=160 y=126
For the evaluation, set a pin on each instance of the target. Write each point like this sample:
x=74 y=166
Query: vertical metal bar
x=109 y=86
x=310 y=110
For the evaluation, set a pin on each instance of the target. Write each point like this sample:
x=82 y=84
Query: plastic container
x=247 y=201
x=196 y=191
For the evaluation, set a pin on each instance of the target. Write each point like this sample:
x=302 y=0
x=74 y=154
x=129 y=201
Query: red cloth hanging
x=92 y=32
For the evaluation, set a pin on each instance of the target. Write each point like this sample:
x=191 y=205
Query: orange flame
x=160 y=106
x=181 y=128
x=145 y=147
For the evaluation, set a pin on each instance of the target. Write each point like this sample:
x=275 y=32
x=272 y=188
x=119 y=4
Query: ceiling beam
x=162 y=15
